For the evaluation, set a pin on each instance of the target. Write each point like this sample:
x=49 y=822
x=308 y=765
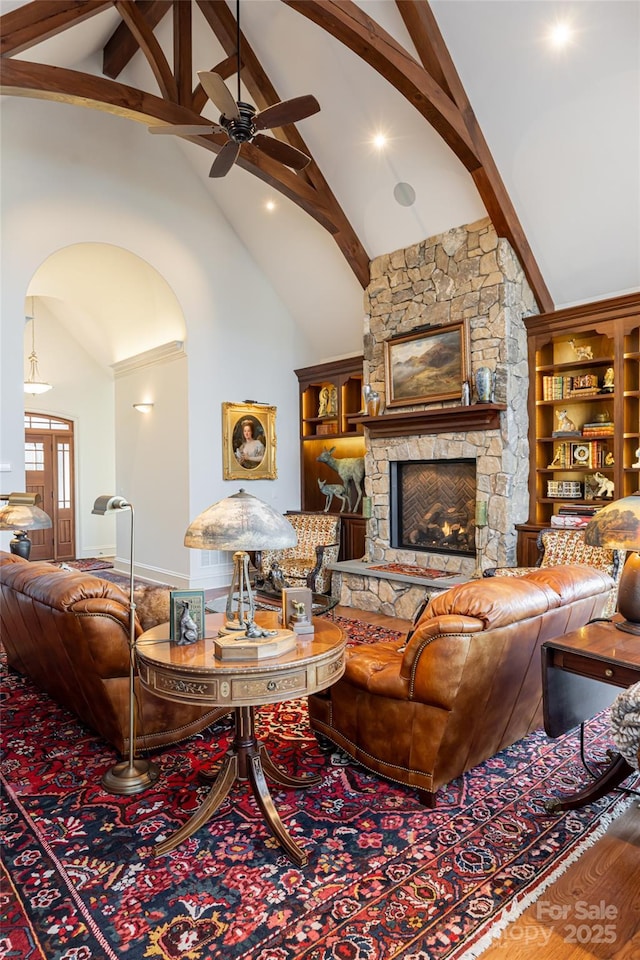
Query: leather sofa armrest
x=435 y=656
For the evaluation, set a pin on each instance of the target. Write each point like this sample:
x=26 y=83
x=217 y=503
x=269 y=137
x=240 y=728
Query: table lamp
x=617 y=526
x=21 y=515
x=240 y=523
x=134 y=774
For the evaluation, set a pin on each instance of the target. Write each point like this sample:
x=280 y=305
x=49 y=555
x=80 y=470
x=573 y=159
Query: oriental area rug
x=387 y=878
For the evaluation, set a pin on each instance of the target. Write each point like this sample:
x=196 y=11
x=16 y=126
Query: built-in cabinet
x=331 y=394
x=584 y=411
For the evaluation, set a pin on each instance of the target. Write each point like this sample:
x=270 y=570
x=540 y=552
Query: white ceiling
x=563 y=128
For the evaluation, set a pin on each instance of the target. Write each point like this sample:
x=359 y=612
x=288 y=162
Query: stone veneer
x=466 y=273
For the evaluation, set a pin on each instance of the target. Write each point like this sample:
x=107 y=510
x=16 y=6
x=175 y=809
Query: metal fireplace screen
x=433 y=506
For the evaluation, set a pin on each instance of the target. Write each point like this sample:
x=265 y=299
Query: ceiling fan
x=242 y=124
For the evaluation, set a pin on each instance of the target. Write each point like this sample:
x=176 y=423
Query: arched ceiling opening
x=110 y=300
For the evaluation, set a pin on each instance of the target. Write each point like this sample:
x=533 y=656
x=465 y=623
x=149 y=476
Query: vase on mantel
x=485 y=384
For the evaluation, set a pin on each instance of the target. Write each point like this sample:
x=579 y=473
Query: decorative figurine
x=328 y=401
x=332 y=490
x=565 y=423
x=188 y=627
x=607 y=383
x=605 y=487
x=350 y=470
x=637 y=463
x=582 y=351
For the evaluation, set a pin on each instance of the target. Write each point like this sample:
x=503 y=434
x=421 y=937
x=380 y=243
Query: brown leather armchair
x=464 y=684
x=69 y=632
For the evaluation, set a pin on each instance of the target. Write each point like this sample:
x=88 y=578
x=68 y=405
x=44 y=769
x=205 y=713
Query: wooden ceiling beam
x=149 y=45
x=182 y=64
x=122 y=45
x=41 y=19
x=434 y=54
x=349 y=24
x=41 y=81
x=264 y=94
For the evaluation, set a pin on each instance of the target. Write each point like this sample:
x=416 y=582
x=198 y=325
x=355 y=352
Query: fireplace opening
x=433 y=506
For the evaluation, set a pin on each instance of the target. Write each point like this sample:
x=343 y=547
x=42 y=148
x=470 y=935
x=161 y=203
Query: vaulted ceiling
x=481 y=116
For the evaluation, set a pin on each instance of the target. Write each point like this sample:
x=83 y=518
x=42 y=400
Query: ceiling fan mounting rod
x=238 y=44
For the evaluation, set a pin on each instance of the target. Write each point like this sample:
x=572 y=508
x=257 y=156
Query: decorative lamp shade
x=617 y=527
x=20 y=516
x=240 y=522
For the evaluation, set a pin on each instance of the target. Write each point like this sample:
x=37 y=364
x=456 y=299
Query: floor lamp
x=132 y=775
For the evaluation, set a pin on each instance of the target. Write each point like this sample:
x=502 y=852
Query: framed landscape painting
x=428 y=366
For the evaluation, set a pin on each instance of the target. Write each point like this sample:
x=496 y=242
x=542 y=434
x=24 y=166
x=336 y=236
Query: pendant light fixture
x=33 y=384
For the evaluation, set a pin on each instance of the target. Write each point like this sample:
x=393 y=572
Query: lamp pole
x=132 y=775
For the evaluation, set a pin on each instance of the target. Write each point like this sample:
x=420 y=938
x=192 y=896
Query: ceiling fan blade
x=225 y=159
x=218 y=92
x=187 y=129
x=287 y=111
x=283 y=152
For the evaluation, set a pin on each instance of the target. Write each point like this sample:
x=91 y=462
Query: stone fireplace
x=467 y=273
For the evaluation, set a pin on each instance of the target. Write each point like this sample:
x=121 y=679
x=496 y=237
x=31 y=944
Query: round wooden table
x=192 y=674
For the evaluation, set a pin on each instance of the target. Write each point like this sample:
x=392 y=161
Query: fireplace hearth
x=433 y=506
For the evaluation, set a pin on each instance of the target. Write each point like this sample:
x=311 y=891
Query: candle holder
x=481 y=526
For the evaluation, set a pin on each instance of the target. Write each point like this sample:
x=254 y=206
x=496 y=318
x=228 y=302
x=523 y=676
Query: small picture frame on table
x=297 y=609
x=186 y=601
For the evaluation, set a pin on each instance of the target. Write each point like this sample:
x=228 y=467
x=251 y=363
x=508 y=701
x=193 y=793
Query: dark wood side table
x=580 y=674
x=192 y=674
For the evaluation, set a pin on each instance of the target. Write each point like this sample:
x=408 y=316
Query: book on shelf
x=578 y=510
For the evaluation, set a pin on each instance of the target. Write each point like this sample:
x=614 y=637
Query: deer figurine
x=332 y=490
x=349 y=469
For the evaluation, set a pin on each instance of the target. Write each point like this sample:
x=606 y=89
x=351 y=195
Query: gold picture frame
x=428 y=365
x=249 y=441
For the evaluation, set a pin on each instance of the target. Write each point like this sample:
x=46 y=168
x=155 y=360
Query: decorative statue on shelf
x=605 y=486
x=582 y=351
x=332 y=490
x=637 y=463
x=608 y=382
x=328 y=401
x=565 y=423
x=350 y=470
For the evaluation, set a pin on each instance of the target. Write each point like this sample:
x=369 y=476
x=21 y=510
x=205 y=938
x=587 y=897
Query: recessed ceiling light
x=379 y=141
x=270 y=205
x=560 y=35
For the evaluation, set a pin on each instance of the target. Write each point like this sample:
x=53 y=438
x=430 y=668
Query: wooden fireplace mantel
x=476 y=416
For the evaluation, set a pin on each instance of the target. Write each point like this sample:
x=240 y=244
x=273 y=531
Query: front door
x=49 y=464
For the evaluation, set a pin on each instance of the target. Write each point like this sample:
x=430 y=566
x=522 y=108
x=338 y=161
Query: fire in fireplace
x=433 y=505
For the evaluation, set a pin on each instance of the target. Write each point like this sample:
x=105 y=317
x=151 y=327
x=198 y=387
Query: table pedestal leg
x=247 y=759
x=617 y=771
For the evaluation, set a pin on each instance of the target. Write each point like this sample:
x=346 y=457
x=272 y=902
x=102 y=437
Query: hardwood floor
x=592 y=911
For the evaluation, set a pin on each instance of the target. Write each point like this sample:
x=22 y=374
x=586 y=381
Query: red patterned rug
x=412 y=570
x=88 y=563
x=387 y=878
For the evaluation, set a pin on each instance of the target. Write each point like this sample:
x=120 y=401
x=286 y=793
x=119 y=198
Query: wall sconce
x=143 y=407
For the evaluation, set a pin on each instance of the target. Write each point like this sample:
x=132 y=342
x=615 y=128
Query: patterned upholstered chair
x=304 y=565
x=558 y=547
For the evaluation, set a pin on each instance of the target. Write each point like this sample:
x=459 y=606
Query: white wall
x=73 y=176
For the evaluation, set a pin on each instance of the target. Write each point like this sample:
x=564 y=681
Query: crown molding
x=174 y=350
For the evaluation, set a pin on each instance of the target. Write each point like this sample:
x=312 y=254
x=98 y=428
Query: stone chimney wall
x=466 y=273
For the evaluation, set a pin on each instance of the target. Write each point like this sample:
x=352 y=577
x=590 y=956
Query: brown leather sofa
x=464 y=684
x=69 y=632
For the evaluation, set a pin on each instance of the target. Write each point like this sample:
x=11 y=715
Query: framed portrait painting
x=249 y=441
x=427 y=366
